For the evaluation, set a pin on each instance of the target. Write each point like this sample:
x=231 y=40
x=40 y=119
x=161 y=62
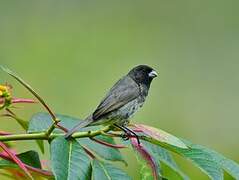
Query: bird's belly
x=122 y=115
x=130 y=109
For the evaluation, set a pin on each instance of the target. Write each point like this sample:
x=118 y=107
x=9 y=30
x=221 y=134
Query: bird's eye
x=153 y=74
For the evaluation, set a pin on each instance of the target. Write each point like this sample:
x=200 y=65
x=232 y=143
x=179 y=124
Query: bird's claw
x=125 y=136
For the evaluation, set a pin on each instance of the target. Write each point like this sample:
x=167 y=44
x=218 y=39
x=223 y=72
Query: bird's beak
x=153 y=74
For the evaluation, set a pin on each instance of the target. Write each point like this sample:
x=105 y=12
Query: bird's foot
x=125 y=136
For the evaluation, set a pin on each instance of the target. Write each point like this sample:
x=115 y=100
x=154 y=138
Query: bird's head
x=143 y=74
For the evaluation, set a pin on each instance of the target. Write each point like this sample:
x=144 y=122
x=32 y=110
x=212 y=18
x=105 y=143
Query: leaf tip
x=5 y=69
x=183 y=146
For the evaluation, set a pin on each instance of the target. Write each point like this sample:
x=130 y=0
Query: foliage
x=91 y=152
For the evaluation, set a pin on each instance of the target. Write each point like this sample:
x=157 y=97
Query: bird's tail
x=82 y=124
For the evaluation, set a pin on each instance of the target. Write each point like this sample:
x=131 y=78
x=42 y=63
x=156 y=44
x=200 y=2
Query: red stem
x=146 y=156
x=137 y=130
x=62 y=128
x=19 y=100
x=15 y=159
x=43 y=172
x=89 y=152
x=22 y=100
x=119 y=146
x=3 y=133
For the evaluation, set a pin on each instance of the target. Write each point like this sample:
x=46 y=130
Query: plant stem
x=44 y=136
x=89 y=134
x=40 y=99
x=16 y=137
x=29 y=88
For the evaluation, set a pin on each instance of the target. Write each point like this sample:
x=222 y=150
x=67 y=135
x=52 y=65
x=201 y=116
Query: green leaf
x=25 y=124
x=104 y=152
x=150 y=167
x=168 y=167
x=210 y=161
x=160 y=135
x=22 y=123
x=230 y=166
x=106 y=171
x=40 y=144
x=145 y=171
x=39 y=122
x=16 y=160
x=42 y=121
x=7 y=164
x=30 y=158
x=69 y=160
x=162 y=155
x=202 y=158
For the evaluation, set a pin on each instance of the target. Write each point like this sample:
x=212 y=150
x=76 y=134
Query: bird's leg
x=127 y=131
x=131 y=131
x=125 y=134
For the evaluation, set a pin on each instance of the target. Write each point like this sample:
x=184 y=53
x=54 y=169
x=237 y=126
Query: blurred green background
x=72 y=52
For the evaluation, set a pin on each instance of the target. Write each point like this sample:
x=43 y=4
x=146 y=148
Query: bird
x=122 y=101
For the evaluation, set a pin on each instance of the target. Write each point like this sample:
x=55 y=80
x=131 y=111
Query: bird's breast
x=128 y=110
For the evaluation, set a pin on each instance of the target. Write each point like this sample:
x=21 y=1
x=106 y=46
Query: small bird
x=122 y=101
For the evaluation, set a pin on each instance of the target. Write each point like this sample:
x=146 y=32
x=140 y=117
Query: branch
x=40 y=99
x=29 y=88
x=104 y=131
x=44 y=136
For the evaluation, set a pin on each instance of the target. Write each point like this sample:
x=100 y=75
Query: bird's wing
x=124 y=91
